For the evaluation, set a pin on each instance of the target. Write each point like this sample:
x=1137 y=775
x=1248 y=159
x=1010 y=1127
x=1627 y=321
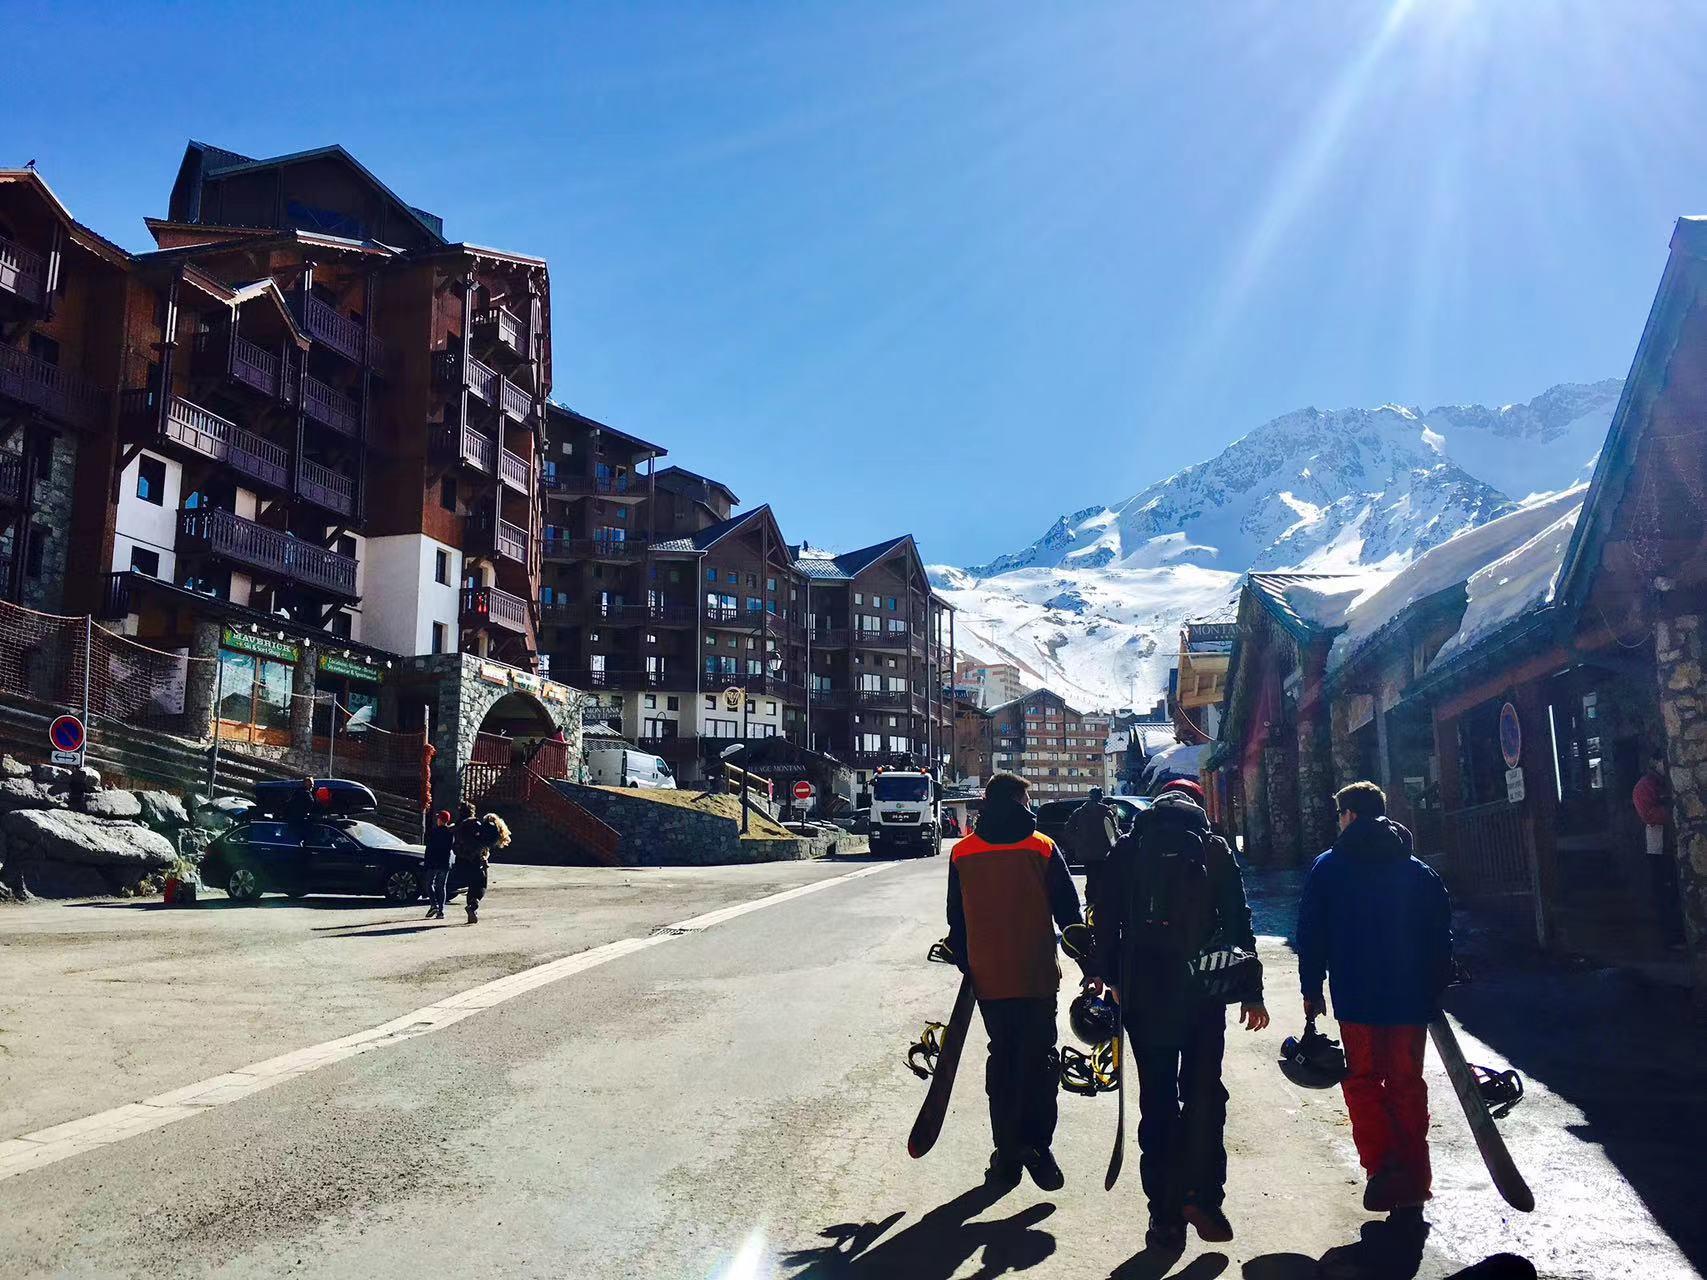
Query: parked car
x=856 y=822
x=328 y=854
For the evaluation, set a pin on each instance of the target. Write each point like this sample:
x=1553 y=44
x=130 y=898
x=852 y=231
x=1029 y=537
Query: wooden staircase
x=521 y=789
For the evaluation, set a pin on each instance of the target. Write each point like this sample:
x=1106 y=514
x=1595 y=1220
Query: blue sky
x=955 y=269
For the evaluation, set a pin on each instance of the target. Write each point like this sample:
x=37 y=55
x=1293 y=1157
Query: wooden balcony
x=828 y=638
x=61 y=395
x=349 y=338
x=497 y=326
x=515 y=401
x=488 y=606
x=325 y=487
x=468 y=446
x=269 y=552
x=23 y=272
x=624 y=678
x=892 y=699
x=331 y=408
x=624 y=488
x=610 y=550
x=485 y=383
x=189 y=426
x=515 y=471
x=242 y=361
x=830 y=697
x=499 y=538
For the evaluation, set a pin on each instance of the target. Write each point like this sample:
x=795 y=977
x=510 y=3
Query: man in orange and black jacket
x=1008 y=887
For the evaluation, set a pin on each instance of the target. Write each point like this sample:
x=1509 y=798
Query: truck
x=905 y=812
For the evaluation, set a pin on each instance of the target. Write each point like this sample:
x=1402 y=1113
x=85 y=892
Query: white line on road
x=48 y=1146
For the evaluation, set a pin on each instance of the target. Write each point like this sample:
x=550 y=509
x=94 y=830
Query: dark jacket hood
x=1374 y=838
x=1006 y=823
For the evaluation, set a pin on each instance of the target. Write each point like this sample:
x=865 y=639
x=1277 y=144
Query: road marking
x=60 y=1141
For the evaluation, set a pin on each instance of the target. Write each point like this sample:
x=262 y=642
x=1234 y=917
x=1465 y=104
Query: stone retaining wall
x=658 y=834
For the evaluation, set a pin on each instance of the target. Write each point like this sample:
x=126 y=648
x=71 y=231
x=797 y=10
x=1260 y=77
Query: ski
x=1118 y=1156
x=935 y=1107
x=1501 y=1168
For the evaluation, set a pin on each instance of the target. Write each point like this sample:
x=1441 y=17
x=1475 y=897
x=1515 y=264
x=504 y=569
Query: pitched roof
x=712 y=534
x=564 y=411
x=217 y=161
x=822 y=566
x=1682 y=287
x=679 y=479
x=81 y=235
x=1304 y=603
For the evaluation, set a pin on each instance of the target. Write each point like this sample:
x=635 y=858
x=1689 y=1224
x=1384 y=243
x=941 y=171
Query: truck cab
x=904 y=806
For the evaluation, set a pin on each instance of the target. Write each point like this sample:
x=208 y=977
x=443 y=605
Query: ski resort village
x=546 y=730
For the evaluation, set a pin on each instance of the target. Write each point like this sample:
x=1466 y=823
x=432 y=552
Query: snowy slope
x=1092 y=607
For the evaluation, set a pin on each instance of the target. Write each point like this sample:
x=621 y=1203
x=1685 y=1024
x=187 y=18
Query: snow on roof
x=1176 y=761
x=1515 y=584
x=1453 y=562
x=1156 y=739
x=1118 y=740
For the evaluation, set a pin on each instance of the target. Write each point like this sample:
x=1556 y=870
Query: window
x=711 y=575
x=715 y=728
x=447 y=493
x=151 y=480
x=770 y=584
x=438 y=637
x=770 y=708
x=891 y=604
x=858 y=598
x=711 y=702
x=651 y=702
x=441 y=565
x=341 y=623
x=345 y=546
x=255 y=696
x=143 y=560
x=752 y=579
x=734 y=578
x=672 y=703
x=755 y=605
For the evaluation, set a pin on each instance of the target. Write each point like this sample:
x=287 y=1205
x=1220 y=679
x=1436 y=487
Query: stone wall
x=52 y=518
x=1679 y=663
x=657 y=834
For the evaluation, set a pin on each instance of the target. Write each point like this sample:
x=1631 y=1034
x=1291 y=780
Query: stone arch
x=468 y=697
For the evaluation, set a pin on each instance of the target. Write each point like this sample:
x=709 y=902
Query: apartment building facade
x=1056 y=748
x=994 y=683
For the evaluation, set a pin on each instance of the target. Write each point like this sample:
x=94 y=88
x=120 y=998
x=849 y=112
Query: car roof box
x=338 y=796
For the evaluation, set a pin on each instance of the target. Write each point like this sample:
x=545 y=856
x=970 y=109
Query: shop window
x=255 y=697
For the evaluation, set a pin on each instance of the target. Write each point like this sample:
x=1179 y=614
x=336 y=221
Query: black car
x=1052 y=818
x=328 y=854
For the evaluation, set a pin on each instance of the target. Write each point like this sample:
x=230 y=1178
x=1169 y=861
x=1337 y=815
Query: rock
x=50 y=775
x=12 y=767
x=86 y=778
x=68 y=880
x=52 y=835
x=163 y=811
x=21 y=793
x=111 y=804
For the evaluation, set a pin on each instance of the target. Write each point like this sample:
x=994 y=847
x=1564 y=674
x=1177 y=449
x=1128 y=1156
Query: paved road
x=730 y=1102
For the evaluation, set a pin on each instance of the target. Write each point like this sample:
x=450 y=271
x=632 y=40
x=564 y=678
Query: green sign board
x=353 y=668
x=263 y=646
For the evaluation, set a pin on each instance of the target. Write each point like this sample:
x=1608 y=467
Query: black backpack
x=1171 y=909
x=1087 y=831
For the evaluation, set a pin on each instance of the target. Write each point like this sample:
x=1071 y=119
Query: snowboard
x=1501 y=1168
x=935 y=1107
x=1118 y=1156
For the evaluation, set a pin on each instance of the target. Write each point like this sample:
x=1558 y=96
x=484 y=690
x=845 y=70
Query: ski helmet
x=1078 y=942
x=1094 y=1018
x=1312 y=1060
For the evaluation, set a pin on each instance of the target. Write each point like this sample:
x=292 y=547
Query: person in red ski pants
x=1375 y=923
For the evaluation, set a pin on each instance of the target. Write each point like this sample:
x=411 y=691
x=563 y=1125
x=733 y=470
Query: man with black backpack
x=1174 y=946
x=1092 y=830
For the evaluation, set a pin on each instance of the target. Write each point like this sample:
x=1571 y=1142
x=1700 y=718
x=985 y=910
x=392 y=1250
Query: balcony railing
x=897 y=698
x=674 y=747
x=11 y=482
x=497 y=324
x=828 y=637
x=501 y=538
x=325 y=487
x=515 y=471
x=514 y=400
x=246 y=362
x=268 y=551
x=73 y=400
x=830 y=697
x=349 y=338
x=617 y=549
x=622 y=678
x=22 y=271
x=331 y=408
x=192 y=427
x=486 y=383
x=597 y=486
x=609 y=611
x=488 y=605
x=468 y=446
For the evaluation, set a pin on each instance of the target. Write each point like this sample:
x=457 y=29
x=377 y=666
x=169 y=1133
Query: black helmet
x=1312 y=1060
x=1095 y=1019
x=1078 y=942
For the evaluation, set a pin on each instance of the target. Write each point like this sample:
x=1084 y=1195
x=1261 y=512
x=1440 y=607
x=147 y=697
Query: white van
x=624 y=767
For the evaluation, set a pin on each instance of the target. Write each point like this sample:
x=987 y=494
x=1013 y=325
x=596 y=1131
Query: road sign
x=1514 y=786
x=1511 y=736
x=66 y=736
x=803 y=791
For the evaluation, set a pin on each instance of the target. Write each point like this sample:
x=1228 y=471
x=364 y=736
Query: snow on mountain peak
x=1092 y=607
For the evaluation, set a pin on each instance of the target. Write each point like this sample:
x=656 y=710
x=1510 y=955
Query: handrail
x=515 y=469
x=496 y=604
x=325 y=486
x=58 y=392
x=331 y=407
x=347 y=337
x=23 y=271
x=248 y=542
x=255 y=365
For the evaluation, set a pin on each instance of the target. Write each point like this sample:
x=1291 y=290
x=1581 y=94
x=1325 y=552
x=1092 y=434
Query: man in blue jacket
x=1375 y=921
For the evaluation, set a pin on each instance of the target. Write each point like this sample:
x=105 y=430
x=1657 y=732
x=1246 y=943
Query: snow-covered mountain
x=1092 y=608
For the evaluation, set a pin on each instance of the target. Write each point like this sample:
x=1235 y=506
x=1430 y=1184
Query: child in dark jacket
x=1376 y=922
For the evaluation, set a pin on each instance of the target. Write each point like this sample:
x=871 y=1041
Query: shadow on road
x=933 y=1248
x=1153 y=1264
x=232 y=904
x=362 y=931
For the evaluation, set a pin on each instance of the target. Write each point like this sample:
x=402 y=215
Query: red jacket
x=1652 y=799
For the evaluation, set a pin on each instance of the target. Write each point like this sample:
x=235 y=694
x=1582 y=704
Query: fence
x=52 y=664
x=1484 y=854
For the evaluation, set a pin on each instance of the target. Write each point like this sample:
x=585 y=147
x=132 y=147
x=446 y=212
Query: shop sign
x=1514 y=786
x=494 y=674
x=352 y=668
x=1511 y=736
x=261 y=646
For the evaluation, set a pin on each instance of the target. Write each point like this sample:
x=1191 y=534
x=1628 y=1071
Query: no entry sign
x=66 y=737
x=803 y=791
